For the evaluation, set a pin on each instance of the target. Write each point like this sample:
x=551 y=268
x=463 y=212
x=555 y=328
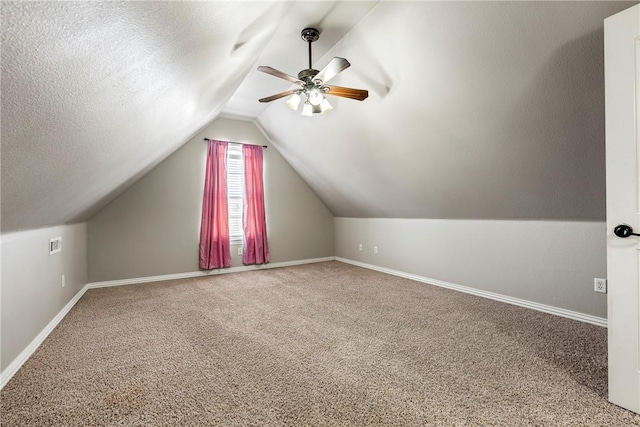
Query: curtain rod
x=241 y=143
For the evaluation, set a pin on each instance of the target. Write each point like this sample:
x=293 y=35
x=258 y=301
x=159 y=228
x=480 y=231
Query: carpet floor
x=313 y=345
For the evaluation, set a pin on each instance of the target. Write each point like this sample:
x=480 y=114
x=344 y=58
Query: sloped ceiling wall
x=487 y=110
x=476 y=110
x=94 y=94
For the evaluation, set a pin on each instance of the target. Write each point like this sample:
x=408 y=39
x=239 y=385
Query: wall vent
x=55 y=245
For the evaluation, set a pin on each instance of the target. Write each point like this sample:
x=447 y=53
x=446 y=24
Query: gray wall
x=32 y=292
x=549 y=262
x=476 y=110
x=153 y=228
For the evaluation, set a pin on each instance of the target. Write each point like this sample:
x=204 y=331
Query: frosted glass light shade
x=294 y=101
x=307 y=109
x=315 y=97
x=325 y=106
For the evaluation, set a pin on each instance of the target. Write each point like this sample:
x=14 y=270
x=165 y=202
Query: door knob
x=624 y=231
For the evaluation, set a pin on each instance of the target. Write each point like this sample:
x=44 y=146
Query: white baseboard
x=205 y=273
x=17 y=363
x=587 y=318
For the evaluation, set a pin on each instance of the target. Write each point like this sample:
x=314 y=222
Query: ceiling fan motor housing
x=307 y=75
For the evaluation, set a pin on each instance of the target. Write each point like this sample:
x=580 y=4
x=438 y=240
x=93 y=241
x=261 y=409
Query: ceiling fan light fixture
x=315 y=96
x=294 y=101
x=313 y=83
x=315 y=109
x=325 y=106
x=307 y=109
x=310 y=110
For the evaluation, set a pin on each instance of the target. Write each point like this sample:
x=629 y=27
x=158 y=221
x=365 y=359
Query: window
x=235 y=192
x=239 y=169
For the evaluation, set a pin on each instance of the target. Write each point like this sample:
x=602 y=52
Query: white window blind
x=235 y=191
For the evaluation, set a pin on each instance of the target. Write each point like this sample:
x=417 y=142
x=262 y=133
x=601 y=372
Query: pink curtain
x=215 y=251
x=256 y=249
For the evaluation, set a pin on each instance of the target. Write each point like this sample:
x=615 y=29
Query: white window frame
x=235 y=192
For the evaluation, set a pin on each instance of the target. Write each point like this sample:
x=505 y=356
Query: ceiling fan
x=313 y=83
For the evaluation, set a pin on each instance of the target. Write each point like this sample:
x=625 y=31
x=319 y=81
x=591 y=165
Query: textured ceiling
x=94 y=94
x=476 y=110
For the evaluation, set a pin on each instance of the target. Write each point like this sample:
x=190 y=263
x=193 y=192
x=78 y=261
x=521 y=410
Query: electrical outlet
x=239 y=251
x=375 y=249
x=600 y=285
x=360 y=247
x=63 y=282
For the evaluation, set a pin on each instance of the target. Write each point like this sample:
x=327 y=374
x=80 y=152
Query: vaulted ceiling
x=476 y=110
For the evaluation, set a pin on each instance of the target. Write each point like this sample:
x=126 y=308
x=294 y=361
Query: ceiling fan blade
x=335 y=66
x=277 y=96
x=346 y=92
x=278 y=73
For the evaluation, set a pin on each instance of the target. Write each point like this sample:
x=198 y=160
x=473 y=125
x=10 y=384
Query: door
x=622 y=95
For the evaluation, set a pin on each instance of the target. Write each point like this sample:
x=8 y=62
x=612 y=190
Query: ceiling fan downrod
x=310 y=35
